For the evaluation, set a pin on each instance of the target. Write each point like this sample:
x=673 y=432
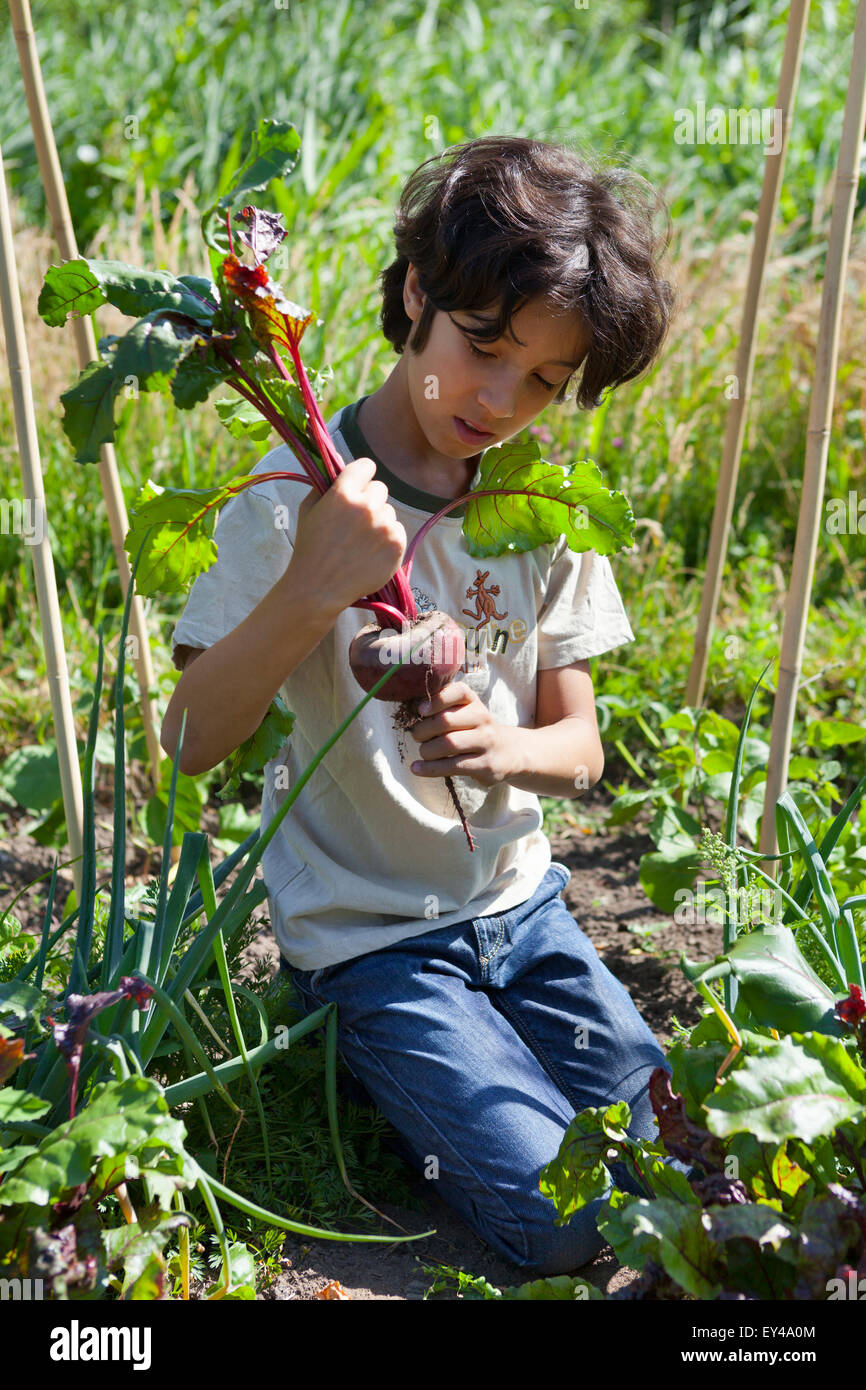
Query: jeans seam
x=539 y=1052
x=445 y=1141
x=447 y=1144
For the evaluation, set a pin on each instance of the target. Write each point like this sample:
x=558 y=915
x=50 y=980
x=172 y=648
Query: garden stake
x=817 y=434
x=43 y=563
x=85 y=345
x=737 y=410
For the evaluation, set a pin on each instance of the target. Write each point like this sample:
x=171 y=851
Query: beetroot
x=433 y=649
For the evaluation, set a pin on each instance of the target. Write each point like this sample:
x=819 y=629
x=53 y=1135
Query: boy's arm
x=228 y=687
x=562 y=755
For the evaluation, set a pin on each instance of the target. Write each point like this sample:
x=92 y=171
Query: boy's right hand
x=349 y=538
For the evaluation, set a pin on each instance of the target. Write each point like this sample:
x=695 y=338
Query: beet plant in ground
x=775 y=1206
x=775 y=1132
x=767 y=1100
x=194 y=334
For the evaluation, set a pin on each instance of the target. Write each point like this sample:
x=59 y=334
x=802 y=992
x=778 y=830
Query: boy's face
x=451 y=386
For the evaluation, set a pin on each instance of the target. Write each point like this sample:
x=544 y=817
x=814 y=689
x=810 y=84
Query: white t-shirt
x=370 y=853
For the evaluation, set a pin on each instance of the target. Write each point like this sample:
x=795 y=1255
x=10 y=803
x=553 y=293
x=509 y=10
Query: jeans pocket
x=316 y=978
x=307 y=984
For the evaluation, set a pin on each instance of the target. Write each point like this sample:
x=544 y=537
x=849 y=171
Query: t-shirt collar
x=398 y=488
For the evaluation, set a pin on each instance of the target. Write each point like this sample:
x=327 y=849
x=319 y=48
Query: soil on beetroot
x=606 y=899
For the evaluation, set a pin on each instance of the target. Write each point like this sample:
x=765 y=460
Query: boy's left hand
x=459 y=736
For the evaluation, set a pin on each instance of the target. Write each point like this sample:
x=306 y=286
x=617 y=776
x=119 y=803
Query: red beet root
x=433 y=649
x=439 y=650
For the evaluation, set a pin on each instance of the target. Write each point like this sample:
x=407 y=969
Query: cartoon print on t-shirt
x=423 y=601
x=485 y=600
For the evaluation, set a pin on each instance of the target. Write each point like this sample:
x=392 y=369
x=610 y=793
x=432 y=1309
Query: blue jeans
x=479 y=1042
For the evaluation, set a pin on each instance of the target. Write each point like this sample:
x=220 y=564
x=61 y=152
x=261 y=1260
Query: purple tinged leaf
x=852 y=1204
x=680 y=1136
x=81 y=1010
x=63 y=1258
x=828 y=1238
x=138 y=990
x=716 y=1190
x=264 y=231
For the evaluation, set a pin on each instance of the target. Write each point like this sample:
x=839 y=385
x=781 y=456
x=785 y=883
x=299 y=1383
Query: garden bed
x=606 y=899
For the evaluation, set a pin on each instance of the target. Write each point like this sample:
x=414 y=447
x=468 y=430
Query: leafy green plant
x=49 y=1227
x=16 y=945
x=53 y=1157
x=779 y=987
x=774 y=1204
x=769 y=1109
x=693 y=769
x=473 y=1287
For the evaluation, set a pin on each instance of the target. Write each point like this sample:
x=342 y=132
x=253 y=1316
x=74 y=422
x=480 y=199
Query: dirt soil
x=606 y=899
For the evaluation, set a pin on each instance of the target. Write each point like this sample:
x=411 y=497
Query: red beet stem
x=463 y=821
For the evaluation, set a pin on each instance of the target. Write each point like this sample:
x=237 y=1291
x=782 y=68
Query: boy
x=471 y=1006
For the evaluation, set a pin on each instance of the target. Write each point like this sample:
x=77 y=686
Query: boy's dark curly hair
x=502 y=219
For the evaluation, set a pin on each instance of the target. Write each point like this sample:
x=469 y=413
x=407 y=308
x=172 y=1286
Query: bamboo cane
x=817 y=434
x=85 y=344
x=736 y=423
x=43 y=560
